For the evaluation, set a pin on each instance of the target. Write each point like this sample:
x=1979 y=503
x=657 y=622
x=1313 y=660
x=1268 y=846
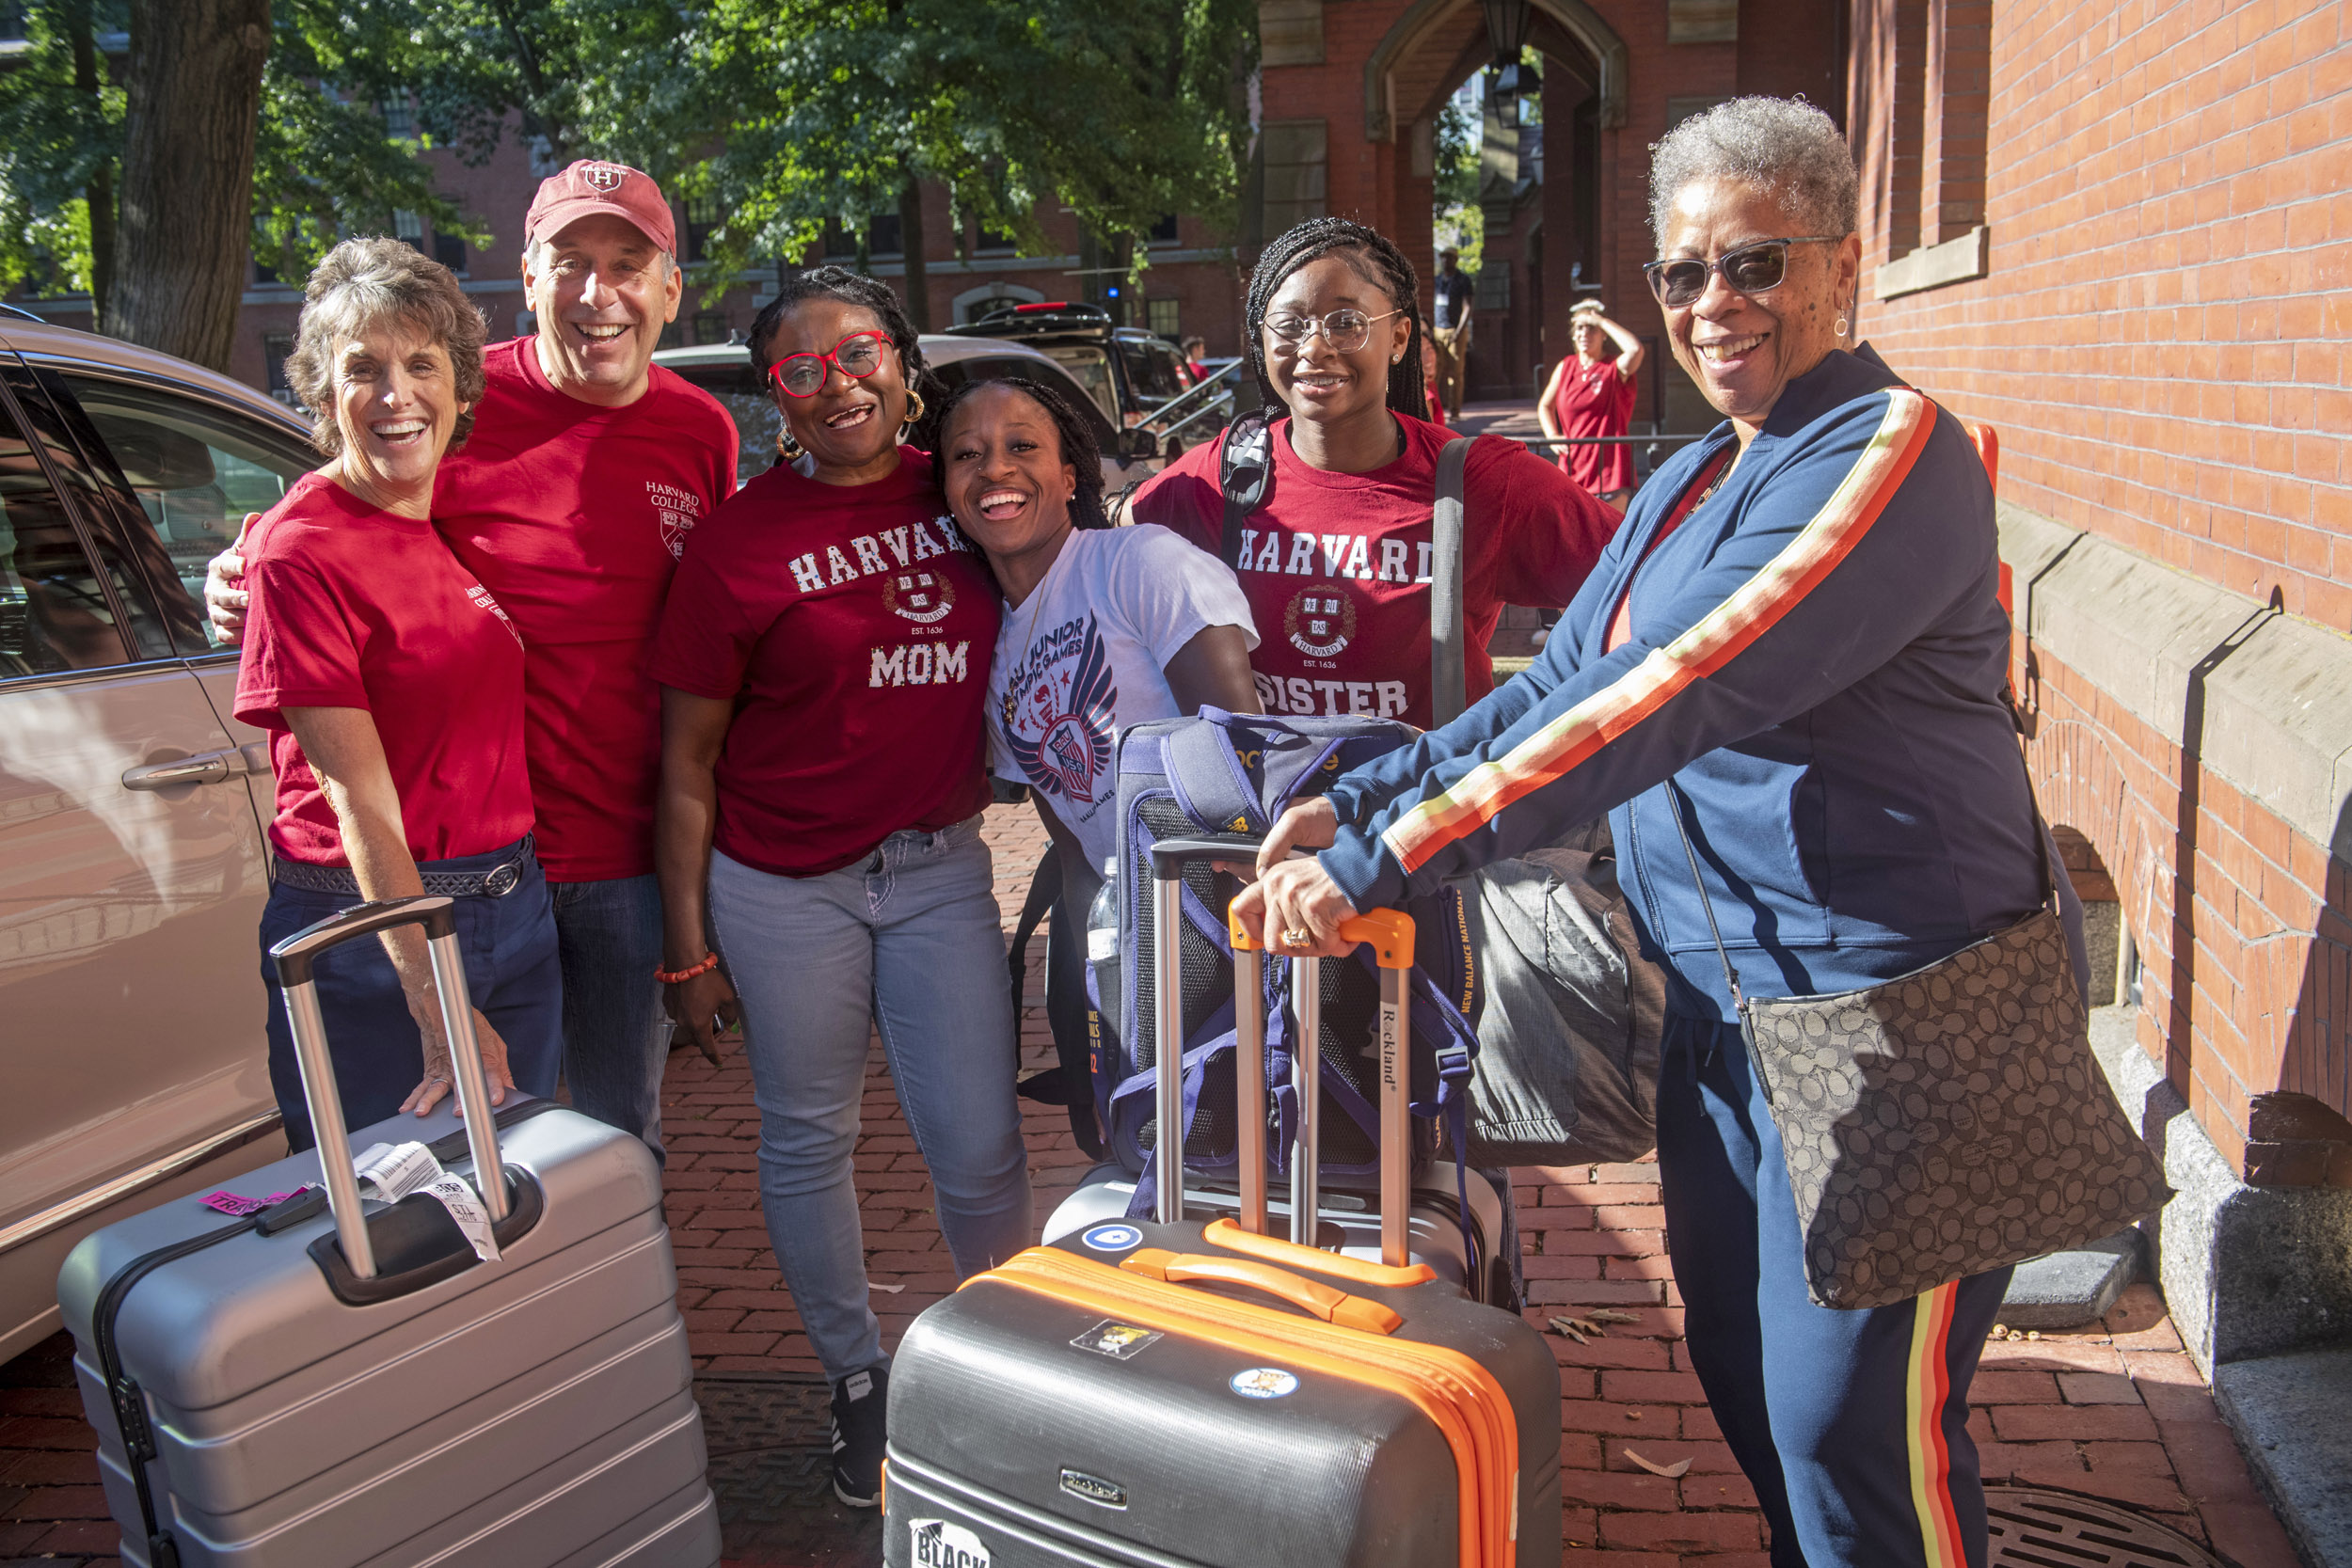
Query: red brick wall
x=2160 y=338
x=2243 y=1002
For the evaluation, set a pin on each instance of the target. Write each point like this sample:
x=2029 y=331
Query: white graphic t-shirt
x=1085 y=656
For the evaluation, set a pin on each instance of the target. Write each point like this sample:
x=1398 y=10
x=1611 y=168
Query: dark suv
x=1132 y=376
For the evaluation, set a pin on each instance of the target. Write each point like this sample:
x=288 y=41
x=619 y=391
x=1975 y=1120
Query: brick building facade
x=2119 y=234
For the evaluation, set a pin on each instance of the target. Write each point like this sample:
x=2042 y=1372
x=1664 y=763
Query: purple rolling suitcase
x=331 y=1382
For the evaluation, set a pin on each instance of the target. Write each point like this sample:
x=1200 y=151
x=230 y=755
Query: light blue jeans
x=908 y=939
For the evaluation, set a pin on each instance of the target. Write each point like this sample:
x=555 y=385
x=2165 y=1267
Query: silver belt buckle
x=501 y=879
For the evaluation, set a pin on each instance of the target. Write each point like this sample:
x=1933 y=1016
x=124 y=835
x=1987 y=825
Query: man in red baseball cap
x=571 y=501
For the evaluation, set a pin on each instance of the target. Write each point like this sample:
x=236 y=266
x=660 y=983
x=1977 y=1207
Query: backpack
x=1234 y=773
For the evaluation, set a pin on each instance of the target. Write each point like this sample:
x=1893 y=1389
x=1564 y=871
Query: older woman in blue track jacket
x=1797 y=624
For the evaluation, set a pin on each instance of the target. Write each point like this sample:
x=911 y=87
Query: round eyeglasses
x=1751 y=269
x=803 y=375
x=1345 y=330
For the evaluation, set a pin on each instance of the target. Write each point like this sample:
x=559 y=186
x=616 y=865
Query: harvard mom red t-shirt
x=574 y=516
x=1336 y=566
x=356 y=608
x=853 y=626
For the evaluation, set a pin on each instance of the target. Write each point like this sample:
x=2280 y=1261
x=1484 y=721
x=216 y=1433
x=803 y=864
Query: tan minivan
x=132 y=868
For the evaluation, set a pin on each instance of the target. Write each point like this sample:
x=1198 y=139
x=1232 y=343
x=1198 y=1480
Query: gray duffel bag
x=1567 y=1043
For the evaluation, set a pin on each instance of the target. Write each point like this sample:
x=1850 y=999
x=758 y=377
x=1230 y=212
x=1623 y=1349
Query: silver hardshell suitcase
x=331 y=1382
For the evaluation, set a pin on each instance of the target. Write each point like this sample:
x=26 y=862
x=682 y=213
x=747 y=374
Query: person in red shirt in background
x=1590 y=395
x=1336 y=560
x=824 y=658
x=391 y=685
x=588 y=467
x=1429 y=375
x=1196 y=353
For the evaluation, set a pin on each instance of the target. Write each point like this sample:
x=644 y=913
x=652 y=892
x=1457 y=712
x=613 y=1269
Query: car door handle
x=205 y=768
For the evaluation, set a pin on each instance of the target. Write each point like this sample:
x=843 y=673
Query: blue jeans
x=908 y=938
x=1853 y=1465
x=617 y=1039
x=511 y=970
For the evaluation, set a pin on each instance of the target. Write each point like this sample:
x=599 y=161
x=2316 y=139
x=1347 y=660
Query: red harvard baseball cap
x=592 y=185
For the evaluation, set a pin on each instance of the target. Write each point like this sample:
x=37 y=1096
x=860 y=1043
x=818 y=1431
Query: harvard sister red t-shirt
x=574 y=516
x=1337 y=565
x=852 y=626
x=356 y=608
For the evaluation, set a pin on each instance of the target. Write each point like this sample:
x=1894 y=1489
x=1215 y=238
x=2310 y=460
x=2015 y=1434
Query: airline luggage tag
x=396 y=1170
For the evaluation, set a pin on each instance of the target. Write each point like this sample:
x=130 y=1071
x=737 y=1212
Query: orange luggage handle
x=1273 y=1249
x=1333 y=1306
x=1390 y=934
x=1389 y=931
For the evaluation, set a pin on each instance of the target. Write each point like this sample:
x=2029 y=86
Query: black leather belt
x=496 y=883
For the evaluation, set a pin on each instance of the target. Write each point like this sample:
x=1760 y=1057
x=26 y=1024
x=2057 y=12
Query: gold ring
x=1298 y=937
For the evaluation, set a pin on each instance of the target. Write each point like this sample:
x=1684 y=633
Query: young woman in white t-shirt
x=1103 y=628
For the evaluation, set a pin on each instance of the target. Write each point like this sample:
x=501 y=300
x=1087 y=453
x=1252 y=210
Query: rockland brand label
x=941 y=1544
x=1392 y=1038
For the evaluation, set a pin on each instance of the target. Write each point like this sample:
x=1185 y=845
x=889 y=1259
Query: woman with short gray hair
x=391 y=685
x=1785 y=685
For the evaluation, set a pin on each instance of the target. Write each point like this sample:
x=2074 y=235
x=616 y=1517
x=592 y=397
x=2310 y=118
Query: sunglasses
x=1752 y=269
x=1345 y=330
x=856 y=357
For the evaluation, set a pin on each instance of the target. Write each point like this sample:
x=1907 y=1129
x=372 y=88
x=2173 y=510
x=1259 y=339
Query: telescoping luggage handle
x=295 y=957
x=1390 y=934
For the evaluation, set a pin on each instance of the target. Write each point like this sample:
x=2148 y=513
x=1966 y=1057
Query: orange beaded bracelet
x=675 y=976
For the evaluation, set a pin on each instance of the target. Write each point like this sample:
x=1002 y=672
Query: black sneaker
x=859 y=1401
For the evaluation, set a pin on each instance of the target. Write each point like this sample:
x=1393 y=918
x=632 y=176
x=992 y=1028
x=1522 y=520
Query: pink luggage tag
x=237 y=1206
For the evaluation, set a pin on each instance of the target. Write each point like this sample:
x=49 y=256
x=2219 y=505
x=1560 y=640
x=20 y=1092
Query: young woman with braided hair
x=1336 y=560
x=823 y=656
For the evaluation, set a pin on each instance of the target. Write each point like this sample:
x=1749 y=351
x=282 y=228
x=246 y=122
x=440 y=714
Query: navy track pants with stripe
x=1850 y=1425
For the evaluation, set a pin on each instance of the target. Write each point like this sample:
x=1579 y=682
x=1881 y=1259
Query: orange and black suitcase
x=1190 y=1390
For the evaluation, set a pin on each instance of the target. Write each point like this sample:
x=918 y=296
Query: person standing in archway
x=1450 y=329
x=1590 y=395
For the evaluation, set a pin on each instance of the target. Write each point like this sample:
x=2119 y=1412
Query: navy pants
x=1850 y=1425
x=616 y=1038
x=511 y=968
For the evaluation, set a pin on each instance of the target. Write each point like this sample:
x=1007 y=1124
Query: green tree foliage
x=1122 y=113
x=325 y=160
x=59 y=138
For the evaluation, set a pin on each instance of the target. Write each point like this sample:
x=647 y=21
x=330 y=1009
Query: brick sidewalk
x=2116 y=1411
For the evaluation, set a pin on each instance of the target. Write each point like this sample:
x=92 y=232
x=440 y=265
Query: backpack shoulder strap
x=1448 y=676
x=1245 y=475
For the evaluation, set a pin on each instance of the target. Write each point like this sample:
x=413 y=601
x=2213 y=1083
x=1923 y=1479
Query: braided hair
x=1078 y=447
x=1376 y=259
x=849 y=288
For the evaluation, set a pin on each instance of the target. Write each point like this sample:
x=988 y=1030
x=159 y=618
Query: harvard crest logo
x=921 y=597
x=1320 y=620
x=604 y=177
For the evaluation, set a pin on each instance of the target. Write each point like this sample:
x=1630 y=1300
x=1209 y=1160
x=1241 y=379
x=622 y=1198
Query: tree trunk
x=186 y=229
x=919 y=289
x=100 y=192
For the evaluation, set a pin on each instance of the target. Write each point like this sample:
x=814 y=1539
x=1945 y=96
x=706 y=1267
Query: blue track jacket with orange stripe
x=1816 y=656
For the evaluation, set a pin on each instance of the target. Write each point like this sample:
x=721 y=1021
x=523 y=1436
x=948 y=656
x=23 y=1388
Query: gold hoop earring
x=915 y=407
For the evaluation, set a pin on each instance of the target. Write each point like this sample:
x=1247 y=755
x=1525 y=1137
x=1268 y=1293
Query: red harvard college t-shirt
x=1337 y=565
x=356 y=608
x=574 y=516
x=853 y=626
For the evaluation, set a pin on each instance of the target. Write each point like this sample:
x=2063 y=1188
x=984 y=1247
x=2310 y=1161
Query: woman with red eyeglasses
x=824 y=657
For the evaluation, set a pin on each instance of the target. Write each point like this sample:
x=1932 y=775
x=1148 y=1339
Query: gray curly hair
x=359 y=284
x=1784 y=145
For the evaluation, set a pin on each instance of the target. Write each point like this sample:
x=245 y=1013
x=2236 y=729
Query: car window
x=1153 y=369
x=157 y=617
x=1090 y=368
x=194 y=469
x=744 y=394
x=55 y=615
